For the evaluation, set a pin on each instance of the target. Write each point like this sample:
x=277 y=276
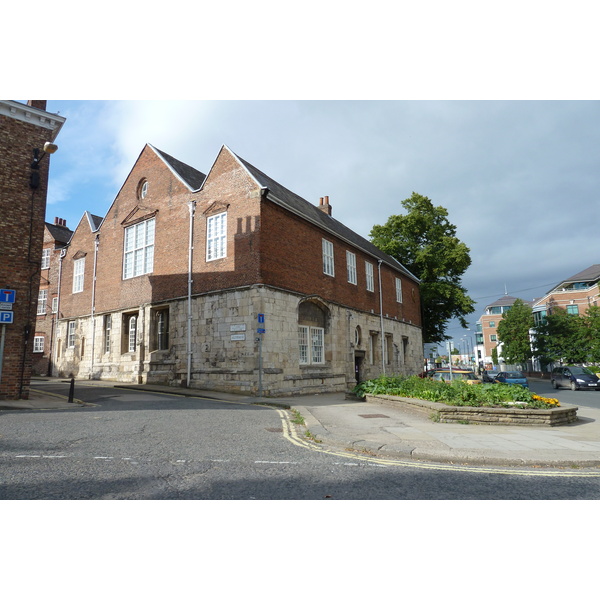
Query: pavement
x=344 y=423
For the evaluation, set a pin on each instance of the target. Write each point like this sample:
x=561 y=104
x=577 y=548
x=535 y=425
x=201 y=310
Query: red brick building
x=574 y=294
x=24 y=132
x=56 y=237
x=229 y=281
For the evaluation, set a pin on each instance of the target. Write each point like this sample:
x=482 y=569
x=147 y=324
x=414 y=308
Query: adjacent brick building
x=487 y=329
x=229 y=281
x=574 y=294
x=56 y=237
x=24 y=131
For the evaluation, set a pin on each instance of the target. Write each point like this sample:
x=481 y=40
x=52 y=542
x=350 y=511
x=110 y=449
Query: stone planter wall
x=486 y=416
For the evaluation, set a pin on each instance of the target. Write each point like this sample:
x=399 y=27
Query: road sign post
x=260 y=331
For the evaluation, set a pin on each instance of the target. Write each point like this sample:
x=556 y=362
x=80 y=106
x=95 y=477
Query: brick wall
x=22 y=211
x=46 y=323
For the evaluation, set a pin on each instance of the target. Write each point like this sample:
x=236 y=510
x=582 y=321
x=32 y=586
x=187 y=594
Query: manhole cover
x=374 y=416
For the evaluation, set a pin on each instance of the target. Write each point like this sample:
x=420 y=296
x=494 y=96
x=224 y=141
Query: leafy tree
x=562 y=337
x=513 y=332
x=592 y=322
x=425 y=242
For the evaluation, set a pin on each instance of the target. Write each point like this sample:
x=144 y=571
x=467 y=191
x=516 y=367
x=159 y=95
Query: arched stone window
x=313 y=325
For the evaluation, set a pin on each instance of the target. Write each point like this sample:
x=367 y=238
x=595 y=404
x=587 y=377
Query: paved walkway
x=346 y=424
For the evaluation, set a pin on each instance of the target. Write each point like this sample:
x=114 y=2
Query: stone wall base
x=444 y=413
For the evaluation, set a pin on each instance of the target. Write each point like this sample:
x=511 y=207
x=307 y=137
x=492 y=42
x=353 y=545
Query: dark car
x=576 y=378
x=512 y=378
x=490 y=376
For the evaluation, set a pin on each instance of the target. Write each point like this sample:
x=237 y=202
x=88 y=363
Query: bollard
x=72 y=390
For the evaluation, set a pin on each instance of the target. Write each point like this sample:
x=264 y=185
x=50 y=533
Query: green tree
x=425 y=242
x=592 y=322
x=562 y=337
x=513 y=332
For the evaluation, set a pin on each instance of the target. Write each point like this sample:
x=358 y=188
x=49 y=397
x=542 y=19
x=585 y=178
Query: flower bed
x=460 y=402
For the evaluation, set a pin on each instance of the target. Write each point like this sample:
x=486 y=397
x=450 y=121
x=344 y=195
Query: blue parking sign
x=6 y=316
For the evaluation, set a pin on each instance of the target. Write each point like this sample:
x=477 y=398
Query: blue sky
x=519 y=179
x=493 y=114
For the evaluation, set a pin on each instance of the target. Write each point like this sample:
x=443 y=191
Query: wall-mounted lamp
x=34 y=179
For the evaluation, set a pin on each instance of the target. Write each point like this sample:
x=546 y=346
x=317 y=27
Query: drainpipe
x=192 y=207
x=96 y=244
x=381 y=318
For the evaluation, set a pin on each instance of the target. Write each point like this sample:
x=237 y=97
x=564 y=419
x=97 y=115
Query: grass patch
x=297 y=418
x=312 y=437
x=457 y=393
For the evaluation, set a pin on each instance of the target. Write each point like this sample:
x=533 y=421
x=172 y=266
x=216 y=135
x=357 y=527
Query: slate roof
x=94 y=220
x=504 y=301
x=298 y=205
x=60 y=234
x=590 y=274
x=190 y=176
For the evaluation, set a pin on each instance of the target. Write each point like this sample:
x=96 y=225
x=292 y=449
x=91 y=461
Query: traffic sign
x=261 y=318
x=6 y=306
x=6 y=316
x=8 y=296
x=260 y=331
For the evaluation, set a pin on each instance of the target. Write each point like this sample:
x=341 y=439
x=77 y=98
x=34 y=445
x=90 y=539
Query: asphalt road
x=157 y=446
x=590 y=398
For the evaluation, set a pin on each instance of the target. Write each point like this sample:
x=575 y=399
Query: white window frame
x=78 y=274
x=311 y=342
x=46 y=253
x=71 y=334
x=398 y=290
x=216 y=237
x=328 y=259
x=55 y=304
x=38 y=343
x=369 y=276
x=132 y=333
x=42 y=302
x=107 y=332
x=138 y=249
x=351 y=264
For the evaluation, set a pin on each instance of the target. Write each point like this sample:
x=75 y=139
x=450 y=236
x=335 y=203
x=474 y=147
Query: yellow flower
x=551 y=401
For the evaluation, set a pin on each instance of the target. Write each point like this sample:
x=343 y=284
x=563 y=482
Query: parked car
x=577 y=378
x=456 y=375
x=490 y=376
x=512 y=378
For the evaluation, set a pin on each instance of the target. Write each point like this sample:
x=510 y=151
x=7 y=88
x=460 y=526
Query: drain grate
x=374 y=416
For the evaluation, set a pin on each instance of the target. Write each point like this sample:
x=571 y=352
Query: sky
x=491 y=114
x=519 y=179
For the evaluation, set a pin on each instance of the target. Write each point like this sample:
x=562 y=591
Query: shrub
x=457 y=393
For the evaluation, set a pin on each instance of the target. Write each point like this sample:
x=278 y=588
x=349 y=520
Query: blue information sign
x=261 y=318
x=6 y=316
x=260 y=331
x=7 y=296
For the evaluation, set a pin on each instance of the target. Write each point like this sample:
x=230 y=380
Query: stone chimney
x=324 y=205
x=41 y=104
